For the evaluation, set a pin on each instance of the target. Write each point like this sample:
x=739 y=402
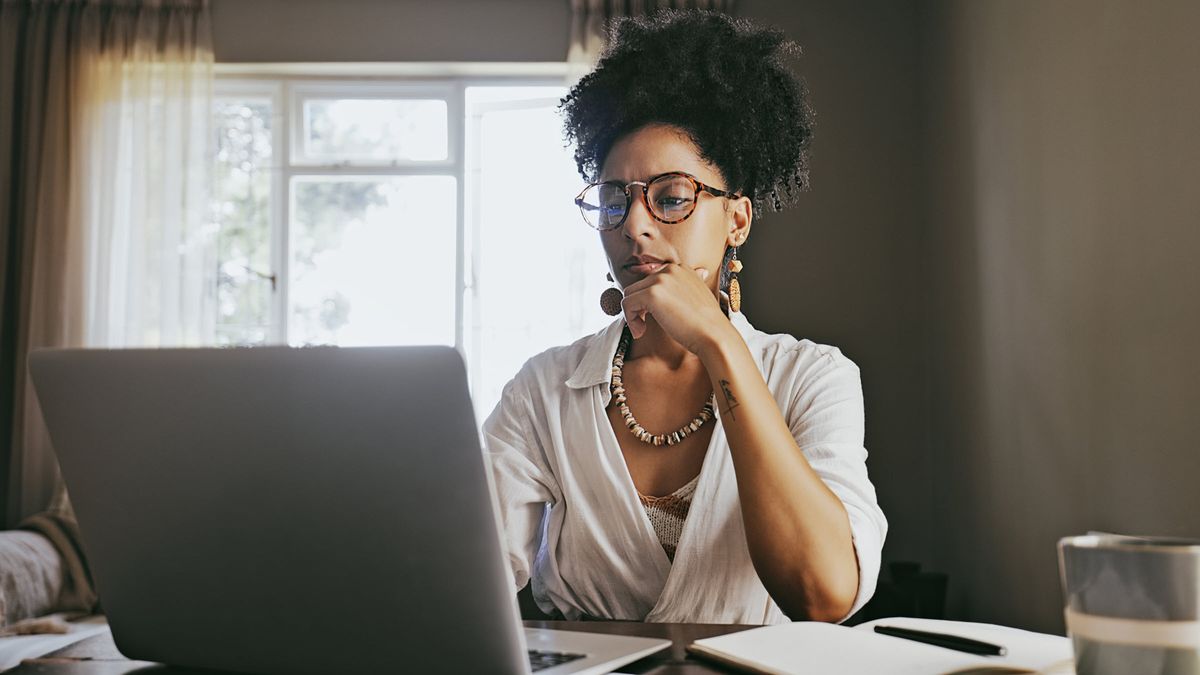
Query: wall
x=844 y=267
x=1064 y=228
x=389 y=30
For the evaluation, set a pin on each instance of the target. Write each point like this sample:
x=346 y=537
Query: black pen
x=961 y=644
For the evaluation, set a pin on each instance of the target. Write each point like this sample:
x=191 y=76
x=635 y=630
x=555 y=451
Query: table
x=99 y=656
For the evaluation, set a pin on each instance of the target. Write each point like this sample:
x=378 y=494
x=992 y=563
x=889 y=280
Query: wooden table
x=99 y=656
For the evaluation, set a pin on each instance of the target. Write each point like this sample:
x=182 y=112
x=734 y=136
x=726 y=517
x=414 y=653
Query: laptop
x=295 y=510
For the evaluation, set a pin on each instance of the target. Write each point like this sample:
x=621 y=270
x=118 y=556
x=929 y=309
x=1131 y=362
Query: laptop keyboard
x=539 y=660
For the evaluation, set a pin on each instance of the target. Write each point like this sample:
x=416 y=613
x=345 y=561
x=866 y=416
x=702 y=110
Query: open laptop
x=307 y=510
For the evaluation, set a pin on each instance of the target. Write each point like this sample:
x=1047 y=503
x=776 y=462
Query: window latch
x=263 y=275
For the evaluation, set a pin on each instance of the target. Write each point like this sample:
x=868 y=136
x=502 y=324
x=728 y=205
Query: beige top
x=668 y=513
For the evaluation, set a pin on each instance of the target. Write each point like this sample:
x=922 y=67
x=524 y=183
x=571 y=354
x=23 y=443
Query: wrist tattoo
x=731 y=401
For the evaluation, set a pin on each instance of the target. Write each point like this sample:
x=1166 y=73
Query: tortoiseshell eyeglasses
x=669 y=198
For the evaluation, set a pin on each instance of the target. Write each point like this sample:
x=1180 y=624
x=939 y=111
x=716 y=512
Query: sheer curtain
x=145 y=165
x=107 y=236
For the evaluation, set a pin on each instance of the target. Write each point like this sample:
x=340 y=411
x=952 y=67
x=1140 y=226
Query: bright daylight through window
x=398 y=213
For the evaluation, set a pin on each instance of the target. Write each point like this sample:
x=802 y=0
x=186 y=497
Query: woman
x=681 y=465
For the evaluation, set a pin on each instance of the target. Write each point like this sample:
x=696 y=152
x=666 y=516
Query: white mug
x=1132 y=604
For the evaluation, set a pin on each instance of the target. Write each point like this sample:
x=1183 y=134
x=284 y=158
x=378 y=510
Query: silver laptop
x=279 y=510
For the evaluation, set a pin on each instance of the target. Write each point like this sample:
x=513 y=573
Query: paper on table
x=811 y=647
x=17 y=648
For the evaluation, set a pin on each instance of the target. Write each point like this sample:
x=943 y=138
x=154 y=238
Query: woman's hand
x=681 y=303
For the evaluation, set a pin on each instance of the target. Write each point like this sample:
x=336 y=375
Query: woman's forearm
x=797 y=530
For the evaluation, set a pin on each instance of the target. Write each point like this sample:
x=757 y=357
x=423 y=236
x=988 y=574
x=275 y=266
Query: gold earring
x=735 y=288
x=610 y=299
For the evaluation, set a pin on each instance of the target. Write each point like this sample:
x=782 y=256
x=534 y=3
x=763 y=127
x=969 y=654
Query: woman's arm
x=797 y=529
x=522 y=480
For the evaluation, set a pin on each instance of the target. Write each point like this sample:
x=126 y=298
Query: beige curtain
x=590 y=18
x=105 y=236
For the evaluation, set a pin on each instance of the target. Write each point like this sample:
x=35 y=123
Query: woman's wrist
x=720 y=347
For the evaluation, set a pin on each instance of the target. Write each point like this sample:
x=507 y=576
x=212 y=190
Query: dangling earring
x=610 y=299
x=735 y=288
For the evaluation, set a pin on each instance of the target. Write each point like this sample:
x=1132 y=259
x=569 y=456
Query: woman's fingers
x=635 y=308
x=636 y=303
x=637 y=325
x=639 y=299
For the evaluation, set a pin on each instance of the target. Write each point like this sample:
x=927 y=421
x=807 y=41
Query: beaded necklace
x=618 y=391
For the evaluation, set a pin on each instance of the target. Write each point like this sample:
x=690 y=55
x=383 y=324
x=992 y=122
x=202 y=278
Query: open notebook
x=812 y=647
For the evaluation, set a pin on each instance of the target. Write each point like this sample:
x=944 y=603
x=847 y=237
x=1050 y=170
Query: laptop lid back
x=284 y=510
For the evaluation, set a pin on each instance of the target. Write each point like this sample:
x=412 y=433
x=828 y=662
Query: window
x=394 y=212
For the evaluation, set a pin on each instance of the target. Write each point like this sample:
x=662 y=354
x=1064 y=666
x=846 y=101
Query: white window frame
x=299 y=91
x=474 y=223
x=286 y=85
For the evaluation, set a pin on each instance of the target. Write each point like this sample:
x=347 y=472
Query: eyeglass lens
x=672 y=198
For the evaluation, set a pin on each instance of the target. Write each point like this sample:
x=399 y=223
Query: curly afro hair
x=723 y=81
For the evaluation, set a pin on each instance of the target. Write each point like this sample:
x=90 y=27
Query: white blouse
x=572 y=518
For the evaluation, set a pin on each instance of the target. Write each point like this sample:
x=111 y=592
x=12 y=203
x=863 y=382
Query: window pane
x=241 y=201
x=372 y=261
x=374 y=130
x=540 y=268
